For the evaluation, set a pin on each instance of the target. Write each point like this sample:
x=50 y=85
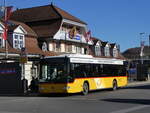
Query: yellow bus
x=73 y=73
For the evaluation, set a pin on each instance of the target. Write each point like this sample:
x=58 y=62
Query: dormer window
x=1 y=41
x=97 y=50
x=18 y=41
x=115 y=52
x=107 y=52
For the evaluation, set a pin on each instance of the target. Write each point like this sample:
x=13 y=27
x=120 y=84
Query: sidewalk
x=135 y=83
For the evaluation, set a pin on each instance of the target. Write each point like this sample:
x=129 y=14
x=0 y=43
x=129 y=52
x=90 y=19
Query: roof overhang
x=73 y=23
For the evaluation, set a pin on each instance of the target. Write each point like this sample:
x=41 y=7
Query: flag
x=4 y=35
x=8 y=12
x=72 y=32
x=88 y=36
x=142 y=48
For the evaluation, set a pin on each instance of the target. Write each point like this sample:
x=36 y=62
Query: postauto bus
x=73 y=73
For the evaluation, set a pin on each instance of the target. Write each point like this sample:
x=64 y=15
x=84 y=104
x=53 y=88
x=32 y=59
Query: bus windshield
x=54 y=72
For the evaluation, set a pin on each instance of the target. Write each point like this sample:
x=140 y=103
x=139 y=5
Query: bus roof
x=71 y=55
x=78 y=58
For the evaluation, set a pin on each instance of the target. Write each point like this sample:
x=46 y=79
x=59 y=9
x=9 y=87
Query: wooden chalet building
x=57 y=30
x=60 y=32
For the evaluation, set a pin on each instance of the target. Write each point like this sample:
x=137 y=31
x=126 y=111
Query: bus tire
x=85 y=89
x=114 y=85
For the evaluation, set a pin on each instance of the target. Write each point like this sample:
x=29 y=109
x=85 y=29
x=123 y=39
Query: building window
x=115 y=52
x=44 y=46
x=73 y=49
x=78 y=49
x=1 y=41
x=18 y=41
x=97 y=51
x=82 y=50
x=107 y=52
x=57 y=46
x=33 y=71
x=85 y=51
x=69 y=48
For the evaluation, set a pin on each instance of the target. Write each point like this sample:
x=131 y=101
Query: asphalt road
x=128 y=100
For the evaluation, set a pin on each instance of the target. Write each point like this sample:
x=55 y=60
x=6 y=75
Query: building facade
x=21 y=40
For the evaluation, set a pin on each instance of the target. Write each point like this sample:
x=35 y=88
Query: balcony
x=62 y=35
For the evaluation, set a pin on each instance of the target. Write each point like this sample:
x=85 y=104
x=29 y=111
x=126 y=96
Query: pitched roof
x=40 y=13
x=35 y=14
x=12 y=25
x=28 y=29
x=95 y=40
x=104 y=44
x=68 y=16
x=112 y=45
x=47 y=30
x=31 y=42
x=31 y=48
x=135 y=52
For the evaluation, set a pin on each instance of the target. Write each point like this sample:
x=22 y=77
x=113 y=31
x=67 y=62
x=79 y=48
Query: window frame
x=107 y=51
x=115 y=52
x=18 y=45
x=97 y=50
x=2 y=42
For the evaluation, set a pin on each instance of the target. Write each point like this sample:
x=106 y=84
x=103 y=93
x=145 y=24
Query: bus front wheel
x=85 y=89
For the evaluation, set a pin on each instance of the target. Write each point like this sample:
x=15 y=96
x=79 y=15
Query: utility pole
x=149 y=41
x=142 y=46
x=51 y=2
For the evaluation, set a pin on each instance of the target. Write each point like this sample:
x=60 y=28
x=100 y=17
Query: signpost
x=23 y=56
x=23 y=60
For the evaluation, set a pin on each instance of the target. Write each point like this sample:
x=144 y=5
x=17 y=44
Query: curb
x=135 y=83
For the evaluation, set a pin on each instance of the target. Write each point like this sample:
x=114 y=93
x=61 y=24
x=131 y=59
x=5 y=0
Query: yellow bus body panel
x=77 y=86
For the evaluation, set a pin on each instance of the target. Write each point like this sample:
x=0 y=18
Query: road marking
x=131 y=109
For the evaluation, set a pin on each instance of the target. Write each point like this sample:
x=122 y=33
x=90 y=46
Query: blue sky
x=115 y=21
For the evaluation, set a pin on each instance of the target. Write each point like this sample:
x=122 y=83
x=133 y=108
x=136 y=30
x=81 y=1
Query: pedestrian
x=32 y=85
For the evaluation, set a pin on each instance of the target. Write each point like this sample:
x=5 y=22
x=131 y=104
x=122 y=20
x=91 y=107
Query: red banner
x=8 y=12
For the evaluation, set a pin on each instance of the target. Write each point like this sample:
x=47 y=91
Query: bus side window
x=83 y=74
